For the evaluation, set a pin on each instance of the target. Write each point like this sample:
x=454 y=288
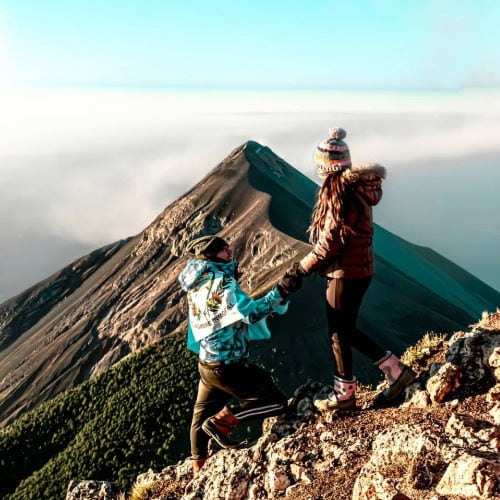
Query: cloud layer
x=95 y=166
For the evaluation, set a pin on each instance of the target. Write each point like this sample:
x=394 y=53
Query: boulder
x=393 y=450
x=491 y=354
x=92 y=490
x=469 y=477
x=446 y=380
x=466 y=352
x=419 y=399
x=468 y=432
x=229 y=477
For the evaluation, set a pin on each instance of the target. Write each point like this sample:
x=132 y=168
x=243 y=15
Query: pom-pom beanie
x=332 y=155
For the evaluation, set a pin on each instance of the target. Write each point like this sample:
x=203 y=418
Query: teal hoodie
x=222 y=318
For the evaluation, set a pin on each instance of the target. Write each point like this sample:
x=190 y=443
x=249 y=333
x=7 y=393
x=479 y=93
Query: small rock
x=279 y=480
x=327 y=436
x=495 y=413
x=323 y=466
x=292 y=488
x=240 y=491
x=445 y=381
x=331 y=451
x=330 y=416
x=493 y=394
x=359 y=445
x=297 y=471
x=420 y=399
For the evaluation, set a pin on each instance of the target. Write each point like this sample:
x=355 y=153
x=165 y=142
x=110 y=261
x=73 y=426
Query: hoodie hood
x=193 y=273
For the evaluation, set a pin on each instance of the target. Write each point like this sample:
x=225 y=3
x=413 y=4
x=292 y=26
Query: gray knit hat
x=332 y=155
x=206 y=246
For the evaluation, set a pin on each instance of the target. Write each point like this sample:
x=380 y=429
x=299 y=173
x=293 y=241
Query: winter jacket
x=354 y=259
x=222 y=318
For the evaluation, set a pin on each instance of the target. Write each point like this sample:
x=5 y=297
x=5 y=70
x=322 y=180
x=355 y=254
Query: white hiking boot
x=341 y=398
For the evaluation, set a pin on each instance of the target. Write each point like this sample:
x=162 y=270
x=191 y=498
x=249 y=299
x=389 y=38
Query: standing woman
x=341 y=231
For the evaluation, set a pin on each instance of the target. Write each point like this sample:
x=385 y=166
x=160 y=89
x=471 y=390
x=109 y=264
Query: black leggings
x=249 y=383
x=343 y=298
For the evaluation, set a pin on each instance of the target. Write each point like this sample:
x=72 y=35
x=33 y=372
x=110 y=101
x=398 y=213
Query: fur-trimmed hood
x=367 y=181
x=365 y=172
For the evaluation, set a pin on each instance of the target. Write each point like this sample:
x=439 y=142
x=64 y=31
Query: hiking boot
x=219 y=426
x=341 y=398
x=396 y=373
x=198 y=464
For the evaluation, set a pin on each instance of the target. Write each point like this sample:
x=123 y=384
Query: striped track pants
x=248 y=383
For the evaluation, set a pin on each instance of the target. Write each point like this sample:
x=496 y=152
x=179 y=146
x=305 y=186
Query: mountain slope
x=106 y=305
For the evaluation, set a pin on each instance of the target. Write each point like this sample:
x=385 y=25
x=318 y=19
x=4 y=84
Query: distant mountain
x=117 y=299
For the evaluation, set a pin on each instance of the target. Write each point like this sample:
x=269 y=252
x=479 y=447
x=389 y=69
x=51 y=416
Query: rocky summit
x=441 y=441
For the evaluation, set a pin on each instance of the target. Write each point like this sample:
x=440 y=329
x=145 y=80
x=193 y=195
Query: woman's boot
x=341 y=398
x=396 y=373
x=219 y=427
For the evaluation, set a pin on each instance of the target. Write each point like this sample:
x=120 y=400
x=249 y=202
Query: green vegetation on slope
x=113 y=427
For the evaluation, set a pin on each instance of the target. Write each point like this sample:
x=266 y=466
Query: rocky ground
x=441 y=441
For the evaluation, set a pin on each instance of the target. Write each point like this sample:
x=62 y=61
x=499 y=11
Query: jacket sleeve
x=254 y=310
x=327 y=246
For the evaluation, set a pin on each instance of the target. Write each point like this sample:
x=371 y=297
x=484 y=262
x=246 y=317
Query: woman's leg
x=343 y=300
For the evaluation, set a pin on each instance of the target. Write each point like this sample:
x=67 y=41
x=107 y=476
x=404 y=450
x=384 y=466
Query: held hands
x=292 y=280
x=296 y=271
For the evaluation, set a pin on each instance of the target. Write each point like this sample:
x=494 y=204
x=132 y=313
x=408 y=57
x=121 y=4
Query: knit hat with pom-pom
x=333 y=154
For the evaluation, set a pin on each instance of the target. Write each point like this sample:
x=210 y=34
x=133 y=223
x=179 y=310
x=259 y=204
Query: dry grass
x=141 y=490
x=429 y=343
x=490 y=321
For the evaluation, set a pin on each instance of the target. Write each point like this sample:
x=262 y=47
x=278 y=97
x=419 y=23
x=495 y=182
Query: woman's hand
x=292 y=280
x=296 y=271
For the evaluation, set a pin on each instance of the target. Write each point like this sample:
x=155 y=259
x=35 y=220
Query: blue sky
x=369 y=44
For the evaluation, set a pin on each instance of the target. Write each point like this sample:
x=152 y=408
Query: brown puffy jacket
x=354 y=259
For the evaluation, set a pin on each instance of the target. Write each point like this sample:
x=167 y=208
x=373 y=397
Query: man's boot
x=341 y=398
x=396 y=373
x=198 y=464
x=219 y=427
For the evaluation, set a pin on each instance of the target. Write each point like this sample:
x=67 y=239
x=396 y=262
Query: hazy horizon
x=82 y=169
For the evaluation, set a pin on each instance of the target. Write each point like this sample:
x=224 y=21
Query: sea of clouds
x=81 y=169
